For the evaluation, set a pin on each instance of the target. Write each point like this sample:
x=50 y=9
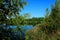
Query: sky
x=37 y=8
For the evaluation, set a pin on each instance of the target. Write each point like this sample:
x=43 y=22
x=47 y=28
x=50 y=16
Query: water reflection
x=14 y=33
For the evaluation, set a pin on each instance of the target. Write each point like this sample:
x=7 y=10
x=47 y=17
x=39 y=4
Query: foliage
x=9 y=10
x=19 y=19
x=49 y=29
x=34 y=21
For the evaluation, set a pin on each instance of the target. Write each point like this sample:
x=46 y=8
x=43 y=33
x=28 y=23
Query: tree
x=47 y=12
x=49 y=29
x=9 y=9
x=34 y=21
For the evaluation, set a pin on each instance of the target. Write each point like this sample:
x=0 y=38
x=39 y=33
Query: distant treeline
x=33 y=21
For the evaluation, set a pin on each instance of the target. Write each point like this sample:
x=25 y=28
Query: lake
x=17 y=33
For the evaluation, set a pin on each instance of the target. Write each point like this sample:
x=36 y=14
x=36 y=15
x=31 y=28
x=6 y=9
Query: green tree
x=34 y=21
x=47 y=12
x=49 y=29
x=9 y=9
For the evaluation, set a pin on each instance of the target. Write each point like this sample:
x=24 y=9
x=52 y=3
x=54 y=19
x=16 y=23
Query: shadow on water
x=13 y=32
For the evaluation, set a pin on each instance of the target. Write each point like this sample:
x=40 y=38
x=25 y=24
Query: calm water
x=18 y=33
x=26 y=27
x=23 y=28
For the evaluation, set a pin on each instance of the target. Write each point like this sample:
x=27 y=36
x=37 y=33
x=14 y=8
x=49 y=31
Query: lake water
x=18 y=33
x=26 y=27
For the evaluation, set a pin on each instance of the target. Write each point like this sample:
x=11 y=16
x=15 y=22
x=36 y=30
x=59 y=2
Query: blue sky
x=36 y=8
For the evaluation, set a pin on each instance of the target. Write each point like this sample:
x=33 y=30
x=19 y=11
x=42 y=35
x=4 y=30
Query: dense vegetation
x=49 y=28
x=45 y=28
x=9 y=15
x=34 y=21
